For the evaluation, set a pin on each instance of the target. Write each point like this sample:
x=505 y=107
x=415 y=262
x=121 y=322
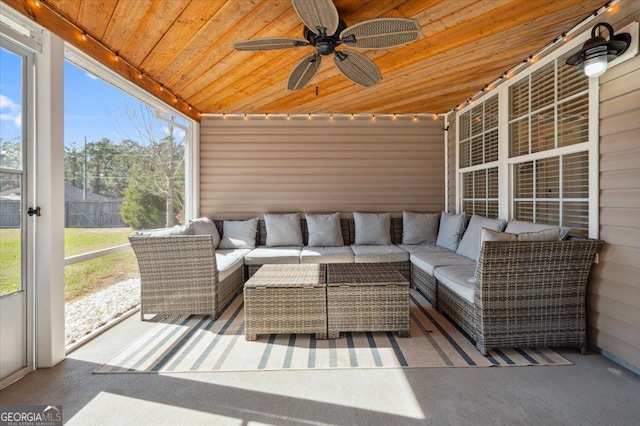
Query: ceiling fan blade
x=318 y=14
x=380 y=33
x=304 y=72
x=357 y=67
x=270 y=43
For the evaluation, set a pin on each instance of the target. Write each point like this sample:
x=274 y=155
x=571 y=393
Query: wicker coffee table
x=366 y=297
x=286 y=299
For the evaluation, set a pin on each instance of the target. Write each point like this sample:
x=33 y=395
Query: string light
x=352 y=117
x=245 y=117
x=415 y=118
x=37 y=3
x=394 y=117
x=288 y=117
x=161 y=88
x=535 y=57
x=373 y=117
x=309 y=116
x=140 y=75
x=330 y=116
x=266 y=116
x=189 y=106
x=84 y=36
x=116 y=57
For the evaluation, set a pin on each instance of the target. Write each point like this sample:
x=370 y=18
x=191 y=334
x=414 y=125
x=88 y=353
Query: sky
x=92 y=107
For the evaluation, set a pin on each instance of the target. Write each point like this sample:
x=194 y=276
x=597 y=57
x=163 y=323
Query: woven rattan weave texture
x=366 y=297
x=286 y=299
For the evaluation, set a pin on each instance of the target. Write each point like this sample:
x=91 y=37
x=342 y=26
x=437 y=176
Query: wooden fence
x=78 y=214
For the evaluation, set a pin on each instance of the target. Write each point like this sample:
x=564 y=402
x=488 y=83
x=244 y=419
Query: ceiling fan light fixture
x=597 y=52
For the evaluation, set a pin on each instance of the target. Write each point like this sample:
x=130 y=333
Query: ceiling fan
x=325 y=31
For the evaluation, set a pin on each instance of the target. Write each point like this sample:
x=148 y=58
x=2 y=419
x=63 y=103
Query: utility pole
x=84 y=171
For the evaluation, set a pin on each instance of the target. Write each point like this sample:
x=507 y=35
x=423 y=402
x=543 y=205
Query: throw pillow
x=519 y=227
x=490 y=235
x=283 y=230
x=167 y=232
x=372 y=228
x=324 y=230
x=470 y=242
x=419 y=228
x=450 y=230
x=239 y=234
x=552 y=234
x=205 y=226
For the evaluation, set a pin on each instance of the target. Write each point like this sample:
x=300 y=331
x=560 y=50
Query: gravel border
x=89 y=313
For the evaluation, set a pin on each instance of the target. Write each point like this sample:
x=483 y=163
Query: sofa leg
x=583 y=349
x=321 y=336
x=404 y=333
x=333 y=335
x=251 y=336
x=482 y=349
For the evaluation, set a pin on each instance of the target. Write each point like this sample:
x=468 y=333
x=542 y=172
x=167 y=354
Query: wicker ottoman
x=366 y=297
x=286 y=299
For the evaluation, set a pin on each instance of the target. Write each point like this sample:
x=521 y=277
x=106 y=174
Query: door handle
x=32 y=211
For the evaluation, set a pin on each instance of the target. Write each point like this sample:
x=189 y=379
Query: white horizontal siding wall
x=259 y=165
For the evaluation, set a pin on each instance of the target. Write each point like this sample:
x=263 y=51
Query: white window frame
x=505 y=164
x=484 y=166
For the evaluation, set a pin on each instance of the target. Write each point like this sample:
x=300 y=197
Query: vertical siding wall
x=614 y=291
x=249 y=167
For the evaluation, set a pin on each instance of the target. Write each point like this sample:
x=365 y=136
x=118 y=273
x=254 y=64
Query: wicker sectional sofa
x=507 y=294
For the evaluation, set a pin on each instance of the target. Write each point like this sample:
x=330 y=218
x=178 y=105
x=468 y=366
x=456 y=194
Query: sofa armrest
x=533 y=292
x=178 y=274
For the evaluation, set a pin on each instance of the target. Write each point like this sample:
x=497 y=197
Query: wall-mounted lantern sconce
x=596 y=53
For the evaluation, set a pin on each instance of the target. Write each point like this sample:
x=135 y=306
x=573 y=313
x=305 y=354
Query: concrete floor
x=593 y=391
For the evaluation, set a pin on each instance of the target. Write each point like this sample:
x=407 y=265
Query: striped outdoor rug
x=198 y=343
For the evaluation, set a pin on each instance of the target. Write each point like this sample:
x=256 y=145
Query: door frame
x=27 y=223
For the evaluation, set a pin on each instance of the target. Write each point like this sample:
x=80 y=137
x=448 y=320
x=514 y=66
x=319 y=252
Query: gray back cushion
x=470 y=243
x=205 y=226
x=419 y=228
x=239 y=234
x=283 y=230
x=372 y=228
x=324 y=230
x=519 y=227
x=450 y=230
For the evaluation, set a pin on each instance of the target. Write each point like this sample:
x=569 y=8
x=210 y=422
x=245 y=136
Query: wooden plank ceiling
x=186 y=46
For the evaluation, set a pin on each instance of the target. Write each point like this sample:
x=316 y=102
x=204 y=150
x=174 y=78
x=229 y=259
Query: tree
x=159 y=162
x=141 y=209
x=10 y=158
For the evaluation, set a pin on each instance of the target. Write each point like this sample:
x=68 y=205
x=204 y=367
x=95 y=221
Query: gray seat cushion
x=428 y=261
x=417 y=248
x=265 y=255
x=456 y=278
x=342 y=254
x=379 y=254
x=228 y=261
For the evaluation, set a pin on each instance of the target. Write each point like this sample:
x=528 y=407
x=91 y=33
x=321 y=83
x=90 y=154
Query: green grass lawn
x=80 y=278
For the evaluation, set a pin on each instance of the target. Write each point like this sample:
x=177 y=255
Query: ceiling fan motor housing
x=324 y=44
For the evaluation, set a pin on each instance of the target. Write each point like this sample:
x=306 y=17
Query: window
x=549 y=119
x=535 y=165
x=478 y=156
